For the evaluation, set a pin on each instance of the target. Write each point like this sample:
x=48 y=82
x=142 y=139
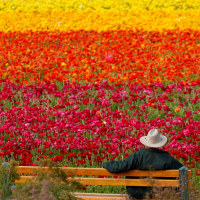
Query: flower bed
x=87 y=124
x=117 y=56
x=81 y=81
x=99 y=15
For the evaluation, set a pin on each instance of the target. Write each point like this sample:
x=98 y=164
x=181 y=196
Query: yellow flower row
x=63 y=5
x=92 y=20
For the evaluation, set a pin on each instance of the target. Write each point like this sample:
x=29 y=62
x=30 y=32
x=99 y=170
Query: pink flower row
x=88 y=124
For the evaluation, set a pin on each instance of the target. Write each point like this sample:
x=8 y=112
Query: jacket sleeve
x=121 y=166
x=175 y=164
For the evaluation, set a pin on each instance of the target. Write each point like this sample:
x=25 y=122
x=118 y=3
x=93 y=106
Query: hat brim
x=162 y=142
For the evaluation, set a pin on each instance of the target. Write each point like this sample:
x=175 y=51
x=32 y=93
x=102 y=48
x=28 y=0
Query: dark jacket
x=143 y=159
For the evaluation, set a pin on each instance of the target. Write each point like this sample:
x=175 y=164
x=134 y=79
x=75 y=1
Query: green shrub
x=8 y=173
x=55 y=185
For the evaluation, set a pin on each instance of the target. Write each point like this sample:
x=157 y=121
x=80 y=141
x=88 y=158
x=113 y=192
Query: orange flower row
x=88 y=56
x=149 y=20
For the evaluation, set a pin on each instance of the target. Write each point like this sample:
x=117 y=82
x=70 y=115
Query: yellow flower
x=63 y=64
x=150 y=15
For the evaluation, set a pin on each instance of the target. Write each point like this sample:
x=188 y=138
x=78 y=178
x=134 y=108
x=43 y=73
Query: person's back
x=151 y=158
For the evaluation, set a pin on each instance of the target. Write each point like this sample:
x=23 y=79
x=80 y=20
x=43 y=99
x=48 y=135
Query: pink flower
x=76 y=107
x=109 y=56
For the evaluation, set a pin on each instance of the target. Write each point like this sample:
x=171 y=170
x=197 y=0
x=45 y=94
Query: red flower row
x=88 y=56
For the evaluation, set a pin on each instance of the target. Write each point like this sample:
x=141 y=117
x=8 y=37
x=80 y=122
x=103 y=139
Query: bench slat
x=104 y=172
x=100 y=196
x=128 y=182
x=117 y=182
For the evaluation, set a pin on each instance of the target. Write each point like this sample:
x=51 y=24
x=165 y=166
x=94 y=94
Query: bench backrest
x=100 y=176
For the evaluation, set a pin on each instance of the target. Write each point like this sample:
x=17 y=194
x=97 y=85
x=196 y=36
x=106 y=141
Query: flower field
x=83 y=125
x=82 y=81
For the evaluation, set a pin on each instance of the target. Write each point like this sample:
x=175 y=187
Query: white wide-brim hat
x=153 y=139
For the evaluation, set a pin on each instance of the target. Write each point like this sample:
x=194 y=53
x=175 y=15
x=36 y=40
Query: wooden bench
x=100 y=176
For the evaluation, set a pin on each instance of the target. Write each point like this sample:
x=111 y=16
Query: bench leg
x=183 y=182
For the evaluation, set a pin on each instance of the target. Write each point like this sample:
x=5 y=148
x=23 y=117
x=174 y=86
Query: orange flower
x=177 y=109
x=98 y=112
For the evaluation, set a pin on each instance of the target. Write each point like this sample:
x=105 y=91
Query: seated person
x=152 y=157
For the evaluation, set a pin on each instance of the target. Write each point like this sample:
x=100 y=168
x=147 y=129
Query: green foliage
x=8 y=174
x=55 y=185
